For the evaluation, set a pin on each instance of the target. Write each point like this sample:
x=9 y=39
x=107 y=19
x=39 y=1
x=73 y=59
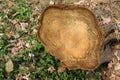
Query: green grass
x=37 y=66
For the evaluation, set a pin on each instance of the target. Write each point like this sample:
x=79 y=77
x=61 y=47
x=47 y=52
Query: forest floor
x=22 y=56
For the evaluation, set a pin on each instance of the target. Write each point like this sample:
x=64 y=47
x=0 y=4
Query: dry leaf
x=23 y=25
x=117 y=66
x=33 y=42
x=27 y=45
x=112 y=76
x=93 y=4
x=51 y=69
x=16 y=36
x=106 y=20
x=34 y=31
x=1 y=34
x=9 y=66
x=14 y=50
x=21 y=43
x=22 y=77
x=15 y=14
x=117 y=72
x=18 y=27
x=110 y=64
x=15 y=21
x=118 y=22
x=80 y=2
x=8 y=35
x=31 y=19
x=117 y=54
x=31 y=55
x=99 y=1
x=117 y=78
x=51 y=2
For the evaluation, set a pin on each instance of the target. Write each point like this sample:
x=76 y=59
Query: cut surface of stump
x=72 y=35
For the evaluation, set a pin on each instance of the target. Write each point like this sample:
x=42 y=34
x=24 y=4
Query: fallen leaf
x=22 y=77
x=117 y=72
x=8 y=35
x=21 y=42
x=106 y=20
x=18 y=27
x=118 y=22
x=99 y=1
x=23 y=25
x=51 y=69
x=93 y=4
x=33 y=42
x=117 y=55
x=15 y=14
x=110 y=65
x=34 y=31
x=32 y=68
x=15 y=21
x=1 y=34
x=14 y=50
x=27 y=45
x=31 y=19
x=6 y=11
x=9 y=66
x=117 y=78
x=16 y=36
x=51 y=2
x=80 y=2
x=117 y=66
x=25 y=78
x=112 y=76
x=31 y=55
